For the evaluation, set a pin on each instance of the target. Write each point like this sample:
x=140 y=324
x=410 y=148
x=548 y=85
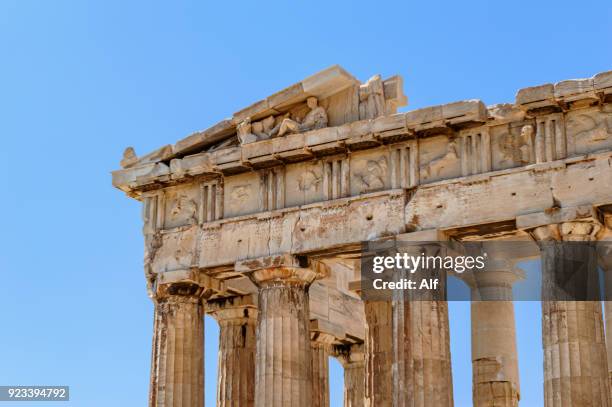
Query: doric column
x=575 y=361
x=430 y=337
x=237 y=318
x=494 y=355
x=422 y=375
x=283 y=365
x=352 y=358
x=177 y=365
x=320 y=348
x=378 y=353
x=604 y=249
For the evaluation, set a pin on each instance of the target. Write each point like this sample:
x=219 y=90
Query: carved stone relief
x=516 y=149
x=316 y=118
x=369 y=173
x=185 y=208
x=304 y=183
x=589 y=130
x=245 y=132
x=371 y=98
x=241 y=195
x=308 y=181
x=129 y=157
x=445 y=164
x=181 y=206
x=278 y=126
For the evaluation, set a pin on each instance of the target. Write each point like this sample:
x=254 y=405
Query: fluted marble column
x=283 y=366
x=353 y=362
x=432 y=372
x=236 y=369
x=177 y=367
x=494 y=355
x=575 y=361
x=320 y=346
x=604 y=249
x=378 y=354
x=422 y=375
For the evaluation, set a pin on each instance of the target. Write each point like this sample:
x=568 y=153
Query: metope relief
x=369 y=172
x=184 y=209
x=304 y=183
x=589 y=130
x=516 y=146
x=240 y=195
x=181 y=206
x=439 y=159
x=308 y=181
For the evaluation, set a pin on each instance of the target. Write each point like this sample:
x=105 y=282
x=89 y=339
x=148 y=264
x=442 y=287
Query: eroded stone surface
x=272 y=204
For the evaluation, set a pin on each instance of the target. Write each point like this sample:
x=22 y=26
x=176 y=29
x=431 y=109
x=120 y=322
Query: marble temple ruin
x=258 y=221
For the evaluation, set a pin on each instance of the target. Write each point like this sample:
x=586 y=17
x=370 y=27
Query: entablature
x=403 y=150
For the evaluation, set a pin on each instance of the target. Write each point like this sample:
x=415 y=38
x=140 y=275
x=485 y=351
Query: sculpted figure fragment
x=518 y=148
x=129 y=157
x=435 y=166
x=372 y=98
x=315 y=119
x=245 y=132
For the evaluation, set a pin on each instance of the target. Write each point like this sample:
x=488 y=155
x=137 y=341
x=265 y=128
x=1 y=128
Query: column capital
x=604 y=247
x=350 y=355
x=184 y=284
x=282 y=270
x=574 y=231
x=322 y=339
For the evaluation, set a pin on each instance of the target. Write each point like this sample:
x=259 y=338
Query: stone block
x=206 y=137
x=464 y=111
x=321 y=136
x=603 y=81
x=253 y=111
x=568 y=214
x=160 y=154
x=257 y=149
x=191 y=165
x=226 y=155
x=386 y=123
x=328 y=81
x=575 y=89
x=536 y=96
x=287 y=96
x=129 y=178
x=288 y=143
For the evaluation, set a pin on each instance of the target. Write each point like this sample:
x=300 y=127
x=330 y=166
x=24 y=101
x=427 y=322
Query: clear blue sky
x=81 y=80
